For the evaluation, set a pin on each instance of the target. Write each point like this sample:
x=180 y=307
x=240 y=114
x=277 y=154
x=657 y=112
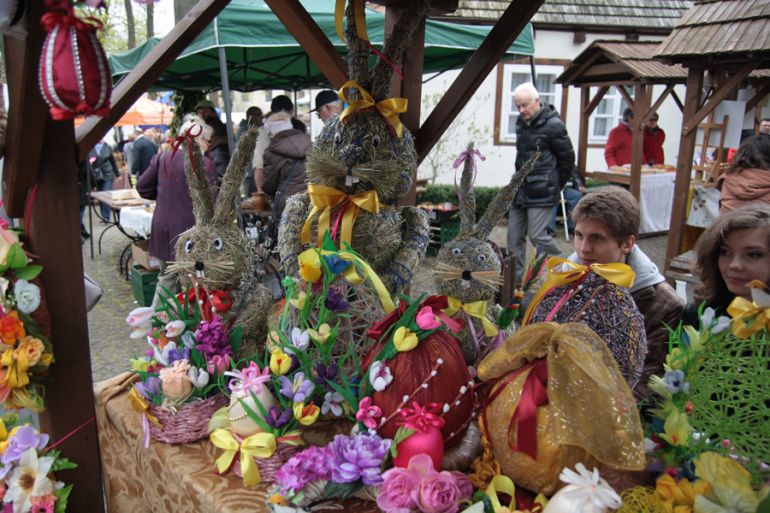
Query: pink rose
x=439 y=493
x=396 y=491
x=426 y=319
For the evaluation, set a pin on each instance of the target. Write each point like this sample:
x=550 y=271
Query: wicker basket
x=268 y=467
x=188 y=424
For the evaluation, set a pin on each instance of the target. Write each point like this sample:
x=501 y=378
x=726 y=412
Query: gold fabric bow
x=324 y=199
x=358 y=10
x=477 y=309
x=504 y=484
x=619 y=274
x=748 y=318
x=389 y=108
x=261 y=445
x=140 y=405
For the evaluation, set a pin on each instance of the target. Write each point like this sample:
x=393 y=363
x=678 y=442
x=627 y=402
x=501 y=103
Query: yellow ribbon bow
x=140 y=405
x=389 y=108
x=619 y=274
x=324 y=199
x=477 y=309
x=503 y=484
x=261 y=445
x=351 y=275
x=748 y=318
x=358 y=11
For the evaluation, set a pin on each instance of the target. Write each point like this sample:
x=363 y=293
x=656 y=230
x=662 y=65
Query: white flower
x=589 y=489
x=333 y=403
x=140 y=319
x=707 y=321
x=198 y=377
x=188 y=339
x=162 y=356
x=27 y=296
x=300 y=339
x=29 y=479
x=379 y=376
x=3 y=286
x=175 y=328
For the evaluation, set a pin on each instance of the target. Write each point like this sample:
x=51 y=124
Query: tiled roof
x=605 y=14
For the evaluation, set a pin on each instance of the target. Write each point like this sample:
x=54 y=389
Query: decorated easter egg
x=240 y=422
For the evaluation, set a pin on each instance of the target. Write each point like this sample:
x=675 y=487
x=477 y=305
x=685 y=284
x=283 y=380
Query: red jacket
x=617 y=152
x=653 y=146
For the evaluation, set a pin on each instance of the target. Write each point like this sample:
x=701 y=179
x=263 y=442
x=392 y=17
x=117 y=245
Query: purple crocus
x=149 y=387
x=26 y=437
x=326 y=374
x=277 y=418
x=298 y=390
x=358 y=457
x=335 y=301
x=175 y=354
x=336 y=264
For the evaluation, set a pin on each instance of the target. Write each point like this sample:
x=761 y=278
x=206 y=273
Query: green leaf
x=16 y=257
x=764 y=506
x=236 y=336
x=63 y=464
x=254 y=416
x=29 y=272
x=328 y=243
x=62 y=494
x=402 y=434
x=341 y=490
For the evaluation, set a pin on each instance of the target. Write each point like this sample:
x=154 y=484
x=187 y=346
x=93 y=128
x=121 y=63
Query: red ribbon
x=421 y=418
x=220 y=300
x=379 y=328
x=61 y=14
x=177 y=143
x=435 y=303
x=533 y=395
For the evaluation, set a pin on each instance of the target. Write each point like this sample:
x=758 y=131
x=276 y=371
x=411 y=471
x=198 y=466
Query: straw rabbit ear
x=224 y=211
x=502 y=201
x=467 y=196
x=399 y=39
x=358 y=52
x=197 y=182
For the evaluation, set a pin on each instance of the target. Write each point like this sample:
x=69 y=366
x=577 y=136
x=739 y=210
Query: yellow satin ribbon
x=140 y=405
x=389 y=108
x=477 y=309
x=261 y=445
x=324 y=199
x=619 y=274
x=748 y=318
x=501 y=483
x=358 y=12
x=352 y=276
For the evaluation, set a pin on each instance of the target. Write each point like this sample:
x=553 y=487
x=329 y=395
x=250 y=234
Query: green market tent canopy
x=261 y=54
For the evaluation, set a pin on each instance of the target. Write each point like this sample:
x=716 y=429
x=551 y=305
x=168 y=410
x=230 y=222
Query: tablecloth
x=136 y=219
x=656 y=199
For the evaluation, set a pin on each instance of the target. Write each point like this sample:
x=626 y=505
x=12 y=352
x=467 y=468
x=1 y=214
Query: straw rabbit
x=469 y=268
x=360 y=155
x=214 y=254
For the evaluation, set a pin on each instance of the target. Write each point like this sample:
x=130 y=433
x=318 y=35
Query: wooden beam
x=600 y=70
x=589 y=109
x=692 y=101
x=312 y=39
x=721 y=93
x=642 y=97
x=582 y=159
x=27 y=113
x=658 y=102
x=677 y=100
x=54 y=236
x=578 y=71
x=762 y=91
x=499 y=39
x=625 y=95
x=147 y=72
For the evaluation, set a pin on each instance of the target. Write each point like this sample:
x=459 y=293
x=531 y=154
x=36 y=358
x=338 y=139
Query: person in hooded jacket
x=538 y=128
x=748 y=180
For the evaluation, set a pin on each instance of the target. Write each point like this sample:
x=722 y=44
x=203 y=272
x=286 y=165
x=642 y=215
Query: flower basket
x=188 y=423
x=268 y=467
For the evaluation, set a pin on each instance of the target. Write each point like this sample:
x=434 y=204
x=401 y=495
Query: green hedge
x=446 y=193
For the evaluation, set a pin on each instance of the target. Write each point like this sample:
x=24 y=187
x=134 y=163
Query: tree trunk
x=150 y=19
x=182 y=7
x=130 y=23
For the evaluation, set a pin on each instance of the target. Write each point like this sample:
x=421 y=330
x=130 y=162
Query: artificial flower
x=306 y=415
x=300 y=339
x=174 y=353
x=426 y=319
x=326 y=375
x=299 y=301
x=212 y=338
x=175 y=381
x=336 y=264
x=675 y=382
x=7 y=240
x=707 y=321
x=217 y=364
x=659 y=386
x=29 y=479
x=188 y=339
x=678 y=496
x=379 y=376
x=198 y=377
x=140 y=320
x=11 y=328
x=335 y=300
x=675 y=359
x=277 y=499
x=730 y=483
x=20 y=440
x=4 y=283
x=395 y=494
x=175 y=328
x=140 y=364
x=277 y=418
x=309 y=266
x=43 y=504
x=27 y=296
x=149 y=387
x=16 y=365
x=322 y=335
x=162 y=355
x=248 y=380
x=368 y=413
x=32 y=348
x=694 y=339
x=676 y=429
x=273 y=339
x=298 y=390
x=358 y=457
x=312 y=464
x=332 y=403
x=280 y=363
x=404 y=339
x=442 y=492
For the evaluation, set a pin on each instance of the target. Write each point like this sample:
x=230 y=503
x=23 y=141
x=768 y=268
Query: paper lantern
x=74 y=73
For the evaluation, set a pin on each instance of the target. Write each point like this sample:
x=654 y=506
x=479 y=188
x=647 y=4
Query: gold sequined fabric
x=591 y=414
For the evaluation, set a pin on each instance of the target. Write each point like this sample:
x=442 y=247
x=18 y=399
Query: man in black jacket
x=142 y=152
x=538 y=127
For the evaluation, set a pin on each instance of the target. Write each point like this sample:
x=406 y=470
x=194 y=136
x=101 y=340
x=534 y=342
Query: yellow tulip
x=139 y=364
x=676 y=429
x=404 y=340
x=299 y=301
x=306 y=415
x=309 y=266
x=322 y=335
x=280 y=362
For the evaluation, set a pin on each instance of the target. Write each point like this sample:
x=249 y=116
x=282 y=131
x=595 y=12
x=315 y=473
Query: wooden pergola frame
x=40 y=184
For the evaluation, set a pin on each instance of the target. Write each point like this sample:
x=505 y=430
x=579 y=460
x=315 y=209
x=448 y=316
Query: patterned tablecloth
x=164 y=478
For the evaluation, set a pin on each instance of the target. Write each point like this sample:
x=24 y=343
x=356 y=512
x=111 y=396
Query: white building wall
x=499 y=164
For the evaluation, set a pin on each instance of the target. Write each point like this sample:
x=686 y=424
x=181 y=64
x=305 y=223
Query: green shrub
x=439 y=194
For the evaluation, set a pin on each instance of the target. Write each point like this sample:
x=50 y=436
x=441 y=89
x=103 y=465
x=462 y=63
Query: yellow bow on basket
x=389 y=108
x=477 y=309
x=503 y=484
x=261 y=445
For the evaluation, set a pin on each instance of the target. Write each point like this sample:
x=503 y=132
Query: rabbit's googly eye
x=376 y=141
x=337 y=138
x=188 y=246
x=456 y=251
x=481 y=258
x=218 y=244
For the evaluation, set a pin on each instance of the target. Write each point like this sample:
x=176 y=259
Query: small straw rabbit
x=213 y=258
x=469 y=268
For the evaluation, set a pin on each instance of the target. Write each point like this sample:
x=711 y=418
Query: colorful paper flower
x=175 y=382
x=277 y=418
x=212 y=338
x=678 y=496
x=396 y=491
x=140 y=320
x=15 y=365
x=29 y=479
x=675 y=359
x=20 y=441
x=426 y=319
x=332 y=403
x=299 y=301
x=248 y=380
x=322 y=335
x=368 y=413
x=676 y=429
x=309 y=266
x=312 y=464
x=198 y=377
x=306 y=415
x=27 y=296
x=140 y=364
x=358 y=457
x=33 y=350
x=299 y=389
x=280 y=362
x=404 y=340
x=729 y=484
x=379 y=376
x=11 y=328
x=675 y=382
x=175 y=328
x=7 y=240
x=335 y=300
x=300 y=339
x=148 y=388
x=217 y=364
x=336 y=264
x=43 y=504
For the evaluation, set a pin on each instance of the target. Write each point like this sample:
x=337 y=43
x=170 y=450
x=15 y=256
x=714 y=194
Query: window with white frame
x=607 y=114
x=515 y=75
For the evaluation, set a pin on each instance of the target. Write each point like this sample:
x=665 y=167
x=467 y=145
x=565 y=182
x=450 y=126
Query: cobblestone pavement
x=111 y=346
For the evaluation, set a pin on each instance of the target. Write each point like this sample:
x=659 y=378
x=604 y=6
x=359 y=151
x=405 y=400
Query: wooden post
x=641 y=105
x=582 y=162
x=692 y=101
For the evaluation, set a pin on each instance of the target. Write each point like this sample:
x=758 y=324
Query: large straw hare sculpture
x=468 y=270
x=214 y=255
x=359 y=168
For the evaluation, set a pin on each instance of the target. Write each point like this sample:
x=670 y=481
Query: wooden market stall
x=720 y=43
x=622 y=65
x=40 y=184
